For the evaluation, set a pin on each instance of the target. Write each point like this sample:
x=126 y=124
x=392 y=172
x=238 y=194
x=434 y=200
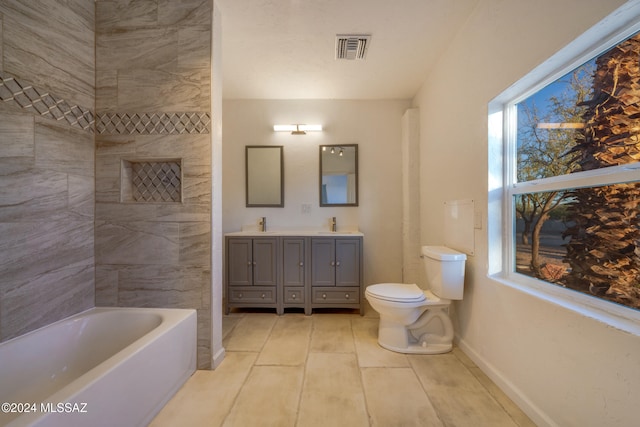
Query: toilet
x=415 y=320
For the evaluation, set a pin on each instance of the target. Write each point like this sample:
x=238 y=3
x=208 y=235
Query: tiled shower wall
x=153 y=85
x=46 y=162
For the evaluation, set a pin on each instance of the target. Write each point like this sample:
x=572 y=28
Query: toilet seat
x=397 y=292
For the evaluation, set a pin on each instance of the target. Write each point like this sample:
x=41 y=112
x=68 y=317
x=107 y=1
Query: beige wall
x=153 y=62
x=46 y=165
x=562 y=367
x=374 y=125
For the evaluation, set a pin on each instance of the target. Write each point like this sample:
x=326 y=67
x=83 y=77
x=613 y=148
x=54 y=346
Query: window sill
x=611 y=314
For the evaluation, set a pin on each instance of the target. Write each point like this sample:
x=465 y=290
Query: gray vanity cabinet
x=294 y=273
x=252 y=272
x=336 y=271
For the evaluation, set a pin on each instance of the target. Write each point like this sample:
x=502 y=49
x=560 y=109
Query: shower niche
x=151 y=181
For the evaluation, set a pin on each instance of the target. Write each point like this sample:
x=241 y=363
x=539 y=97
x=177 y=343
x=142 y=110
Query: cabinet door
x=323 y=255
x=293 y=262
x=265 y=263
x=239 y=262
x=348 y=262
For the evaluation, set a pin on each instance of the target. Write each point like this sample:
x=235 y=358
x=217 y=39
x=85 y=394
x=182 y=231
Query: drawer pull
x=346 y=296
x=263 y=295
x=324 y=296
x=293 y=296
x=239 y=295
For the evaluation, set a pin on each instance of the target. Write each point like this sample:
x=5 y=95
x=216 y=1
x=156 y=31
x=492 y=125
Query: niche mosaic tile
x=152 y=181
x=41 y=102
x=153 y=123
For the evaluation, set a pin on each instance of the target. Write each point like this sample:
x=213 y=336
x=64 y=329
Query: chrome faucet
x=263 y=224
x=333 y=224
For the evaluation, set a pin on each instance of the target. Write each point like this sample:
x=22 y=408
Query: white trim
x=618 y=26
x=593 y=178
x=538 y=416
x=608 y=313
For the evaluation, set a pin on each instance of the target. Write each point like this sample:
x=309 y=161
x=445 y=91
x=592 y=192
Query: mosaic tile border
x=153 y=123
x=44 y=104
x=159 y=181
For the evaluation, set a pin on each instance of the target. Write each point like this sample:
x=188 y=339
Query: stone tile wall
x=153 y=85
x=46 y=162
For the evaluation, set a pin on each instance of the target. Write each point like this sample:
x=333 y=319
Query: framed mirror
x=339 y=175
x=264 y=168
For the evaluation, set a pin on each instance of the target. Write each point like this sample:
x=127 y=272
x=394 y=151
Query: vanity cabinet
x=336 y=270
x=252 y=272
x=293 y=272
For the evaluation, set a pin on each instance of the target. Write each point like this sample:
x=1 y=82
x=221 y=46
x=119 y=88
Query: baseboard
x=217 y=358
x=538 y=416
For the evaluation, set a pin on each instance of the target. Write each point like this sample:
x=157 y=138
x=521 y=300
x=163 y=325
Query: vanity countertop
x=304 y=233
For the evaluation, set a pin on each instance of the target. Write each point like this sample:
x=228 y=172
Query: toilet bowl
x=416 y=320
x=420 y=326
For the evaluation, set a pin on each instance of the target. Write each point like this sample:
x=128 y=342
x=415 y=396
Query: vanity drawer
x=253 y=295
x=336 y=296
x=293 y=295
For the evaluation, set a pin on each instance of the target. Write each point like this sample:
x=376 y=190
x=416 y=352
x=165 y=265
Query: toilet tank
x=445 y=271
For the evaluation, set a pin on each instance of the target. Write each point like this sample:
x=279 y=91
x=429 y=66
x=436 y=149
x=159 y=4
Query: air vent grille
x=352 y=46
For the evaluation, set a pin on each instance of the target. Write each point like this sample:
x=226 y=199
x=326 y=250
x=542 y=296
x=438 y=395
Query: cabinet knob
x=346 y=296
x=293 y=296
x=302 y=264
x=249 y=263
x=263 y=295
x=239 y=295
x=254 y=263
x=338 y=263
x=324 y=296
x=333 y=263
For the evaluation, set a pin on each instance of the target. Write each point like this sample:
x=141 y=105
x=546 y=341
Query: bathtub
x=101 y=367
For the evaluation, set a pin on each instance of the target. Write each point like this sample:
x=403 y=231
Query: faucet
x=333 y=224
x=263 y=224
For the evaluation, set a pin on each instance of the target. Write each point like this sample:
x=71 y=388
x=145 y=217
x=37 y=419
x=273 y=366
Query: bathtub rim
x=170 y=318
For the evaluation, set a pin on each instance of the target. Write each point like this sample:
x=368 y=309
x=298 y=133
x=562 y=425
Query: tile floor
x=328 y=370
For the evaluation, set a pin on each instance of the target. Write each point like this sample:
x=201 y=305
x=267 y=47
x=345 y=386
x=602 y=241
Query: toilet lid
x=399 y=292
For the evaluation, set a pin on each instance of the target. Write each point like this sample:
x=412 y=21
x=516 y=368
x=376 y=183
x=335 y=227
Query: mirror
x=339 y=175
x=264 y=176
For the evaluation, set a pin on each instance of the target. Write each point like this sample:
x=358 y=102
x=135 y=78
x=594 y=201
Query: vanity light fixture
x=297 y=129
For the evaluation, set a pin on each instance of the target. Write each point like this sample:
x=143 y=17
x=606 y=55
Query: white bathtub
x=102 y=367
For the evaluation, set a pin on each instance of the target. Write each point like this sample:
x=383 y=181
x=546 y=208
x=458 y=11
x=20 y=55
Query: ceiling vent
x=352 y=46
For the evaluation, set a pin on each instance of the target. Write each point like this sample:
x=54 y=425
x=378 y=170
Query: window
x=570 y=199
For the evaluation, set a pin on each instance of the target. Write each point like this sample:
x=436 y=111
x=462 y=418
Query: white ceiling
x=285 y=49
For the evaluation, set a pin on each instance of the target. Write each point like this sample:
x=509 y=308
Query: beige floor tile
x=332 y=334
x=228 y=324
x=332 y=394
x=250 y=333
x=328 y=369
x=206 y=398
x=520 y=418
x=288 y=342
x=370 y=354
x=444 y=370
x=396 y=398
x=466 y=408
x=459 y=398
x=269 y=397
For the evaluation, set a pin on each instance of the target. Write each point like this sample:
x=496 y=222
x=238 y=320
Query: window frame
x=503 y=185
